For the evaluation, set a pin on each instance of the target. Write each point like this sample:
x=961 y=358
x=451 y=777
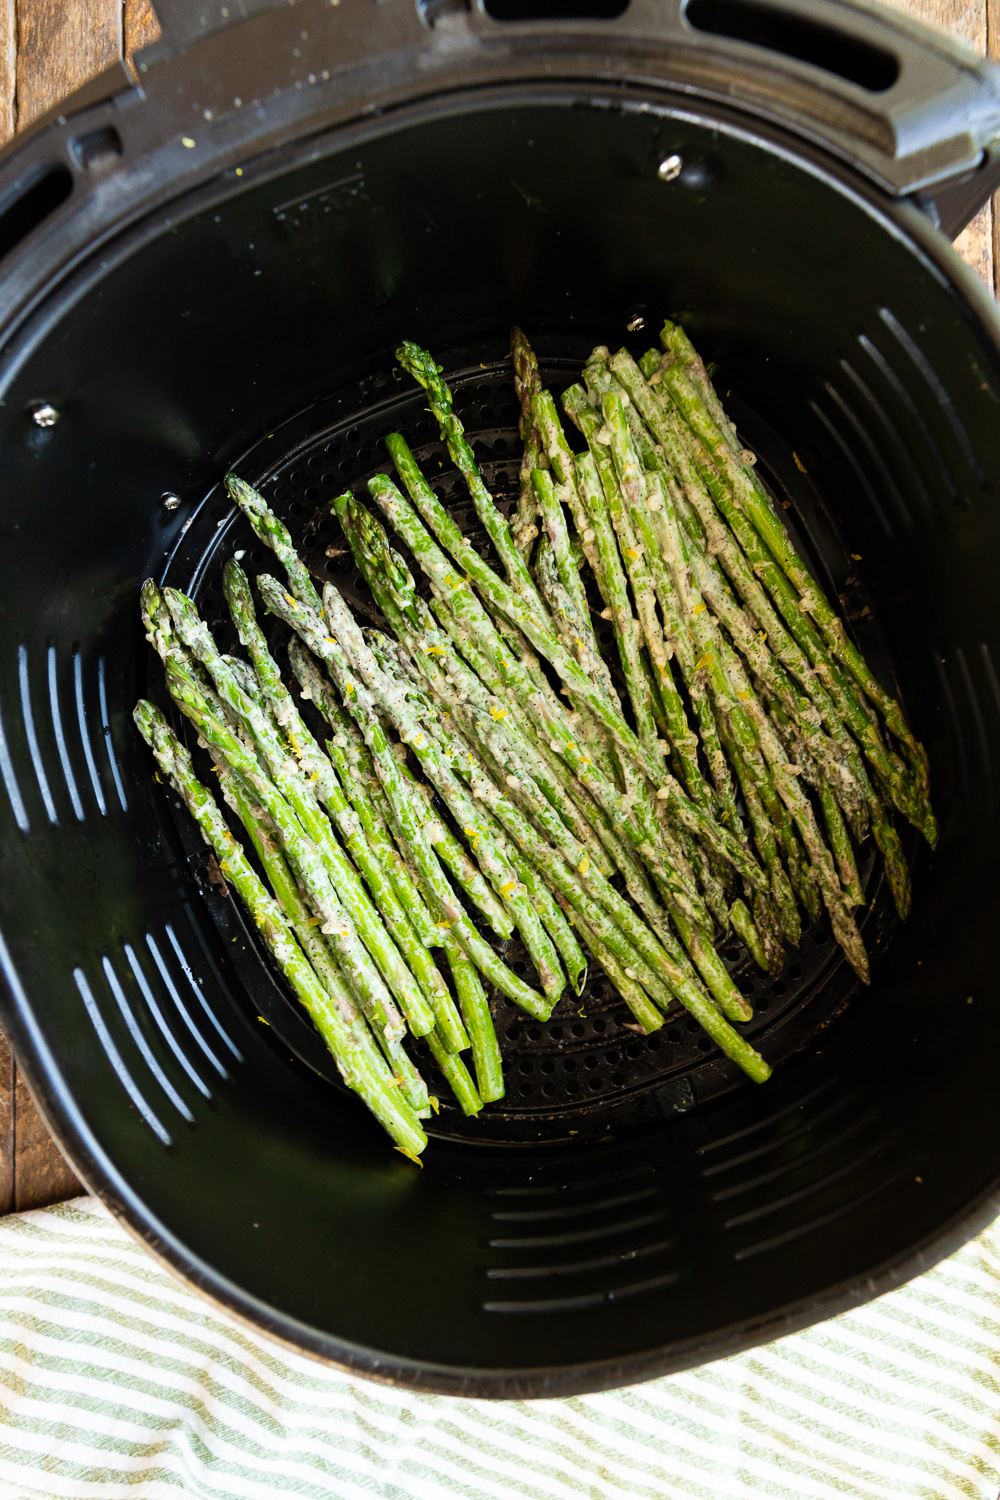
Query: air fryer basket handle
x=910 y=107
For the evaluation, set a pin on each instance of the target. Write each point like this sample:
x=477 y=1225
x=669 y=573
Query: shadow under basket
x=633 y=1206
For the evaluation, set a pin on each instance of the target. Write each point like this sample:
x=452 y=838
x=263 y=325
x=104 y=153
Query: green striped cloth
x=117 y=1381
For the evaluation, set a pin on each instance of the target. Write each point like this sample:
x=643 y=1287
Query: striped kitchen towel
x=117 y=1381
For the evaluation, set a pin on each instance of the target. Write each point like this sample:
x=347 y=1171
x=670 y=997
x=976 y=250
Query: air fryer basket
x=633 y=1206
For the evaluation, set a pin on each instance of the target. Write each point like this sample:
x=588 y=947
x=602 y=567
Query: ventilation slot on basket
x=923 y=411
x=55 y=709
x=30 y=734
x=116 y=1060
x=196 y=988
x=141 y=1043
x=824 y=1220
x=184 y=1010
x=109 y=744
x=10 y=782
x=586 y=1299
x=941 y=396
x=847 y=451
x=792 y=1171
x=561 y=1238
x=84 y=732
x=163 y=1024
x=882 y=482
x=39 y=198
x=603 y=1258
x=613 y=1261
x=887 y=441
x=973 y=728
x=769 y=1120
x=810 y=41
x=573 y=1210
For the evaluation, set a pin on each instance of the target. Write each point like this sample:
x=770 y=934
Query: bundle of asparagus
x=459 y=790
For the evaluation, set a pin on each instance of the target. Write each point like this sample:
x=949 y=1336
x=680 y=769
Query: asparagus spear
x=744 y=925
x=452 y=587
x=703 y=489
x=455 y=1074
x=563 y=463
x=402 y=924
x=744 y=554
x=391 y=695
x=276 y=536
x=679 y=347
x=364 y=977
x=418 y=363
x=554 y=521
x=627 y=629
x=578 y=407
x=312 y=942
x=407 y=606
x=543 y=638
x=749 y=495
x=389 y=1108
x=292 y=788
x=486 y=1053
x=476 y=1011
x=561 y=607
x=526 y=383
x=363 y=710
x=638 y=1002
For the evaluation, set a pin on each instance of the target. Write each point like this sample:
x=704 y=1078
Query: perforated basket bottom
x=586 y=1071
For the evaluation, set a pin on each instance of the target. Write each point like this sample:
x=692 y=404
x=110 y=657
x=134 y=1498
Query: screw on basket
x=44 y=414
x=670 y=167
x=169 y=500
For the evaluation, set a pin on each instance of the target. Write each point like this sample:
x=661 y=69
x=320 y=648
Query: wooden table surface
x=47 y=49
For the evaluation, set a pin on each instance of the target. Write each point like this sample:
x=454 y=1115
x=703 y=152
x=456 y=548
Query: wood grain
x=140 y=26
x=8 y=1084
x=60 y=44
x=8 y=69
x=41 y=1174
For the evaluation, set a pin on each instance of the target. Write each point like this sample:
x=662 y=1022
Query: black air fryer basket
x=211 y=269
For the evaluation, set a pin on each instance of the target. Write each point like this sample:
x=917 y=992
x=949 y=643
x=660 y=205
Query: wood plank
x=62 y=43
x=8 y=1076
x=41 y=1174
x=993 y=48
x=140 y=26
x=8 y=69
